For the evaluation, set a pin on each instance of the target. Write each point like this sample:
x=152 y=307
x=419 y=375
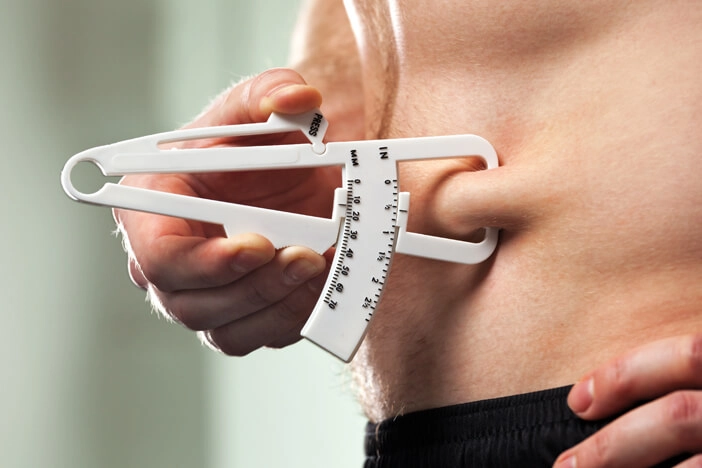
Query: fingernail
x=581 y=396
x=569 y=462
x=245 y=261
x=299 y=271
x=284 y=89
x=267 y=104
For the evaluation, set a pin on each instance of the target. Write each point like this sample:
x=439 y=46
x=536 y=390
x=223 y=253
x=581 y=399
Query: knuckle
x=270 y=74
x=255 y=296
x=289 y=311
x=156 y=276
x=617 y=378
x=296 y=307
x=600 y=449
x=692 y=353
x=683 y=411
x=186 y=316
x=175 y=307
x=273 y=77
x=235 y=98
x=240 y=99
x=208 y=279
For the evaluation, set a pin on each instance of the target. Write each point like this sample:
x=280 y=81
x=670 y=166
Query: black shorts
x=528 y=430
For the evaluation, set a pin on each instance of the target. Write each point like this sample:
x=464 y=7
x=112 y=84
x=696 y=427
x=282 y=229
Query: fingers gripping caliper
x=368 y=224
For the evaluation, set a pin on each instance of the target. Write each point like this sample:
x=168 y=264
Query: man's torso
x=595 y=110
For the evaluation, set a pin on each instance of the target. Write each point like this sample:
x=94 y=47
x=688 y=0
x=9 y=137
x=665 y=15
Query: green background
x=89 y=377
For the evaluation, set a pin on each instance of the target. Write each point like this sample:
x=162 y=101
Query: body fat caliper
x=368 y=223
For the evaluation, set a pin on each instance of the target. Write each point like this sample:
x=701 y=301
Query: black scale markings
x=342 y=269
x=339 y=270
x=388 y=254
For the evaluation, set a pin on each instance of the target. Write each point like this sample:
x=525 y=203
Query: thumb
x=279 y=90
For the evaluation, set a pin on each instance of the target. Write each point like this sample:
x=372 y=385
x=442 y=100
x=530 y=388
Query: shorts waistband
x=528 y=430
x=475 y=420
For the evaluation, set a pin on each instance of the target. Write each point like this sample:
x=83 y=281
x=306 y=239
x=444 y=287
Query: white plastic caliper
x=368 y=224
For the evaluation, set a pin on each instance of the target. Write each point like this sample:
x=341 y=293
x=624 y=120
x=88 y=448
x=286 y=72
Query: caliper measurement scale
x=364 y=251
x=368 y=223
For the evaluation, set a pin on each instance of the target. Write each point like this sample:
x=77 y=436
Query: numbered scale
x=368 y=223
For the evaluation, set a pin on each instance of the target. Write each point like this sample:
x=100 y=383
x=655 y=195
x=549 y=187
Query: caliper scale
x=364 y=251
x=368 y=223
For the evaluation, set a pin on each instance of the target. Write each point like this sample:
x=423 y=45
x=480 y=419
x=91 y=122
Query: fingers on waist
x=646 y=373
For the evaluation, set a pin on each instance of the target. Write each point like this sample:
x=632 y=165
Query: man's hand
x=239 y=292
x=667 y=374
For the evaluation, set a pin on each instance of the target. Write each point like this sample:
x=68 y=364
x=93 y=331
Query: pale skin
x=596 y=121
